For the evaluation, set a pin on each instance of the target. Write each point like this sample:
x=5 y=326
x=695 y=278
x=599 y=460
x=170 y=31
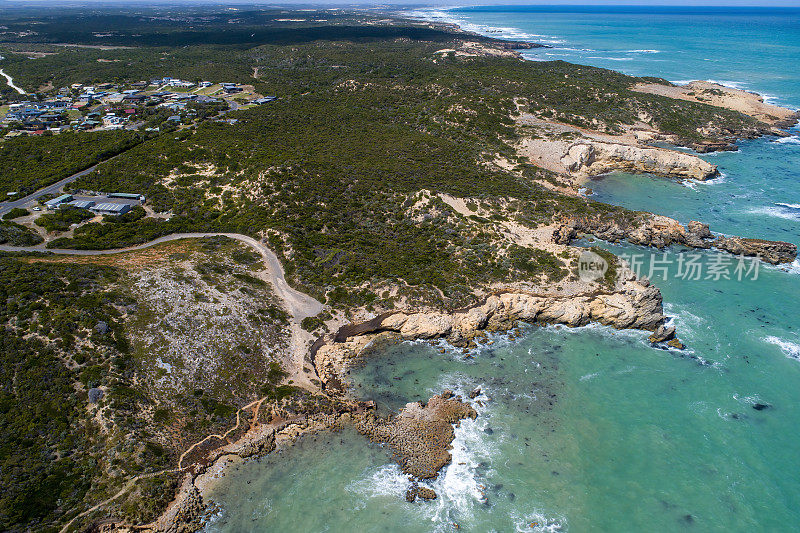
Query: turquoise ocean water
x=592 y=429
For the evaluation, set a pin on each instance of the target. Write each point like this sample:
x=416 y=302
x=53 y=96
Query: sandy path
x=299 y=305
x=10 y=82
x=296 y=303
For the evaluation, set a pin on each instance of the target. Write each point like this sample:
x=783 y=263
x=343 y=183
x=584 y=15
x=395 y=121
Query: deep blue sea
x=591 y=429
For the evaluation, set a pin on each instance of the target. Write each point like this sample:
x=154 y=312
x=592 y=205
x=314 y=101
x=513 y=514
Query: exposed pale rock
x=395 y=321
x=592 y=158
x=633 y=304
x=662 y=334
x=420 y=435
x=426 y=326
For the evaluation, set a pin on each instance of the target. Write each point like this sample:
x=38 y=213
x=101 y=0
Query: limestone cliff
x=586 y=158
x=630 y=304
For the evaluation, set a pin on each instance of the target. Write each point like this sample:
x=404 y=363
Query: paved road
x=55 y=188
x=50 y=189
x=299 y=305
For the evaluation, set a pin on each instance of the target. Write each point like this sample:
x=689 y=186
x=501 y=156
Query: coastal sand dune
x=708 y=92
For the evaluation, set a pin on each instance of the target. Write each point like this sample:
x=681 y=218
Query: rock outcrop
x=659 y=232
x=774 y=252
x=746 y=102
x=631 y=304
x=183 y=515
x=586 y=158
x=705 y=147
x=662 y=334
x=420 y=435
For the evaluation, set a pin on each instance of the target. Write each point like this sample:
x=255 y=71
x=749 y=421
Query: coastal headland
x=412 y=182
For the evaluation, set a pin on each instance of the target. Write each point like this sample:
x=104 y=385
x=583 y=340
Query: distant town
x=148 y=105
x=157 y=105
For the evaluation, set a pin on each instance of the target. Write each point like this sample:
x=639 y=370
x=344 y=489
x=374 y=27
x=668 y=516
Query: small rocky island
x=420 y=436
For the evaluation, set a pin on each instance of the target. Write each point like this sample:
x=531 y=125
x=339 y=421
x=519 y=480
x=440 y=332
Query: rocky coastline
x=420 y=437
x=421 y=434
x=586 y=158
x=659 y=232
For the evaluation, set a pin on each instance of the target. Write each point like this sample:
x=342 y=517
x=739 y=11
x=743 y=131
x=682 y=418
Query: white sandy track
x=10 y=82
x=299 y=305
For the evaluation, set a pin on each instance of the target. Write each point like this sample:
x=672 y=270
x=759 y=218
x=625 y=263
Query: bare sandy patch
x=707 y=92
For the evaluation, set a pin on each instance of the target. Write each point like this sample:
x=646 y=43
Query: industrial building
x=127 y=196
x=111 y=208
x=82 y=204
x=55 y=203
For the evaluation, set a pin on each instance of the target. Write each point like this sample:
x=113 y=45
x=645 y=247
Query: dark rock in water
x=761 y=406
x=101 y=328
x=675 y=343
x=774 y=252
x=688 y=518
x=411 y=493
x=420 y=435
x=705 y=147
x=488 y=431
x=512 y=496
x=662 y=334
x=424 y=493
x=475 y=393
x=95 y=395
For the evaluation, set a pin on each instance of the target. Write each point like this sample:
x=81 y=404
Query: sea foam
x=538 y=522
x=776 y=211
x=460 y=486
x=790 y=349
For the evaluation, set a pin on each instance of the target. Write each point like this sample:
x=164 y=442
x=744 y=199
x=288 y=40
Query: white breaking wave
x=732 y=84
x=610 y=58
x=791 y=268
x=722 y=178
x=644 y=51
x=387 y=480
x=748 y=400
x=790 y=206
x=777 y=212
x=788 y=140
x=538 y=522
x=790 y=349
x=506 y=32
x=459 y=486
